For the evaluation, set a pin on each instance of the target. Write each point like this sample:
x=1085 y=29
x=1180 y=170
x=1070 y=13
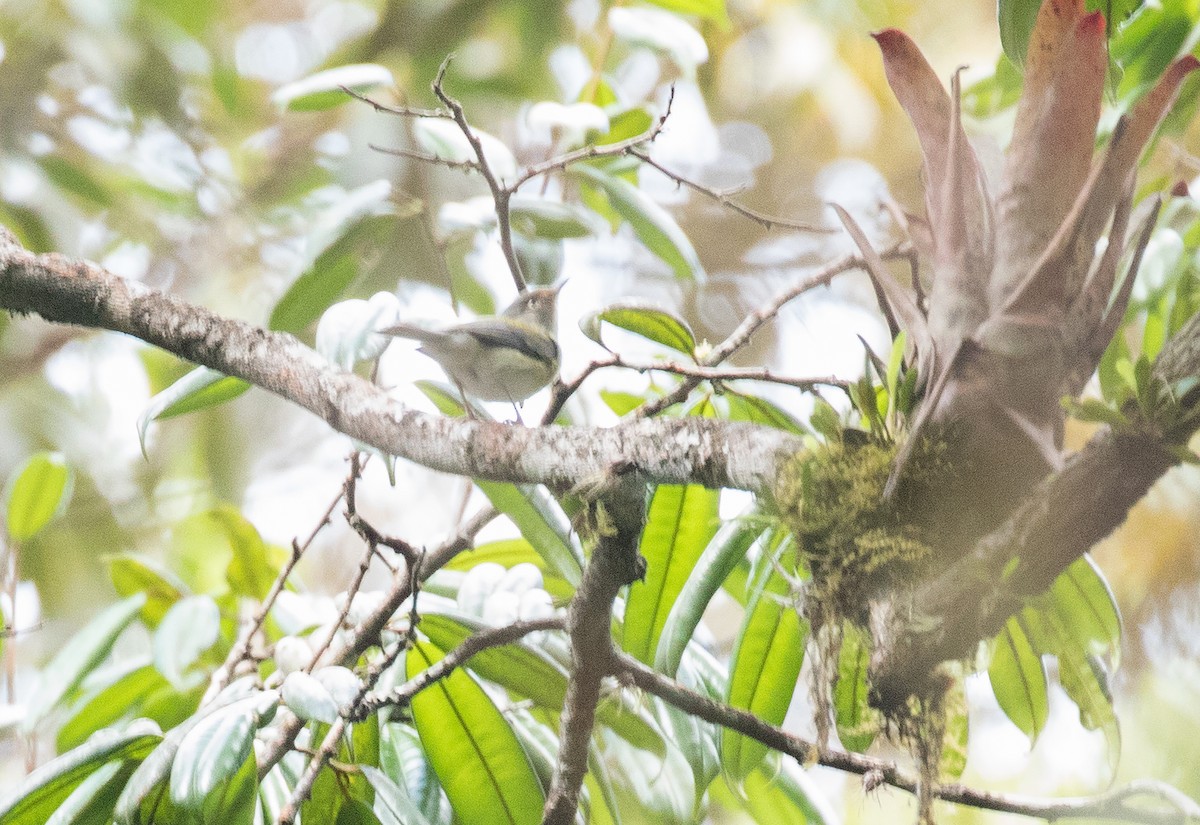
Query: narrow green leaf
x=80 y=655
x=855 y=719
x=651 y=322
x=763 y=672
x=621 y=403
x=1087 y=609
x=727 y=549
x=323 y=90
x=551 y=220
x=338 y=262
x=44 y=790
x=131 y=573
x=393 y=805
x=91 y=803
x=213 y=753
x=542 y=522
x=72 y=178
x=784 y=797
x=36 y=492
x=652 y=224
x=199 y=389
x=119 y=699
x=1018 y=678
x=484 y=771
x=680 y=522
x=757 y=410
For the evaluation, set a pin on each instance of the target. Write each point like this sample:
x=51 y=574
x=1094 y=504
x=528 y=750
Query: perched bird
x=505 y=357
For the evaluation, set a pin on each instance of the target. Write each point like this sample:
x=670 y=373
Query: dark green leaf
x=650 y=322
x=36 y=492
x=1018 y=678
x=856 y=724
x=552 y=220
x=680 y=522
x=119 y=699
x=1016 y=18
x=199 y=389
x=652 y=224
x=36 y=798
x=761 y=411
x=765 y=666
x=474 y=752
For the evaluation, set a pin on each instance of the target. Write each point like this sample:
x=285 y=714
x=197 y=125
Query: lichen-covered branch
x=691 y=450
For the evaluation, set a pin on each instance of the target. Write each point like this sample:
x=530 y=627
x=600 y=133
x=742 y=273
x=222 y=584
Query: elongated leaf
x=1018 y=678
x=323 y=89
x=199 y=389
x=852 y=713
x=80 y=655
x=680 y=522
x=91 y=803
x=190 y=627
x=35 y=799
x=393 y=805
x=475 y=754
x=551 y=220
x=39 y=489
x=761 y=411
x=762 y=675
x=652 y=224
x=132 y=574
x=339 y=260
x=213 y=753
x=543 y=524
x=728 y=547
x=784 y=797
x=121 y=698
x=1016 y=18
x=1087 y=609
x=654 y=323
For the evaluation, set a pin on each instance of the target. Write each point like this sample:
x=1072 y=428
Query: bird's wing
x=537 y=344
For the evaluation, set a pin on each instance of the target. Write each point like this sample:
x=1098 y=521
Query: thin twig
x=622 y=147
x=392 y=109
x=765 y=221
x=1113 y=805
x=752 y=322
x=425 y=157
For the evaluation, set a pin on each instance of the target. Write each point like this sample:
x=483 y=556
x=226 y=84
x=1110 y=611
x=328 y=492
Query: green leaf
x=339 y=260
x=761 y=411
x=508 y=553
x=763 y=672
x=825 y=420
x=478 y=759
x=652 y=224
x=36 y=492
x=191 y=627
x=621 y=403
x=1087 y=609
x=91 y=803
x=1018 y=678
x=199 y=389
x=44 y=790
x=120 y=698
x=131 y=573
x=856 y=724
x=653 y=323
x=782 y=797
x=729 y=546
x=627 y=124
x=542 y=522
x=680 y=522
x=323 y=90
x=79 y=656
x=708 y=9
x=393 y=805
x=1016 y=19
x=205 y=773
x=1095 y=411
x=73 y=179
x=552 y=220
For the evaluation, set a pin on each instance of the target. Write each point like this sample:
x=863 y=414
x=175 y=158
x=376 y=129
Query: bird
x=505 y=357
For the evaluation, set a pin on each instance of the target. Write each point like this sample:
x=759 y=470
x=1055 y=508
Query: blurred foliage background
x=143 y=134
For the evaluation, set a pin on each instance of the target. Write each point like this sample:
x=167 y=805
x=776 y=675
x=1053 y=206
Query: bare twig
x=752 y=322
x=425 y=157
x=392 y=109
x=765 y=221
x=1175 y=807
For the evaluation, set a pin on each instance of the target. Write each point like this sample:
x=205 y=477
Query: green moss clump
x=852 y=540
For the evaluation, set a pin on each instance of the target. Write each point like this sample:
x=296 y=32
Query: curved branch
x=693 y=450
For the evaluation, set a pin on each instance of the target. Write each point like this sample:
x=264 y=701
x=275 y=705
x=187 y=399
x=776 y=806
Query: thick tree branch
x=618 y=515
x=693 y=450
